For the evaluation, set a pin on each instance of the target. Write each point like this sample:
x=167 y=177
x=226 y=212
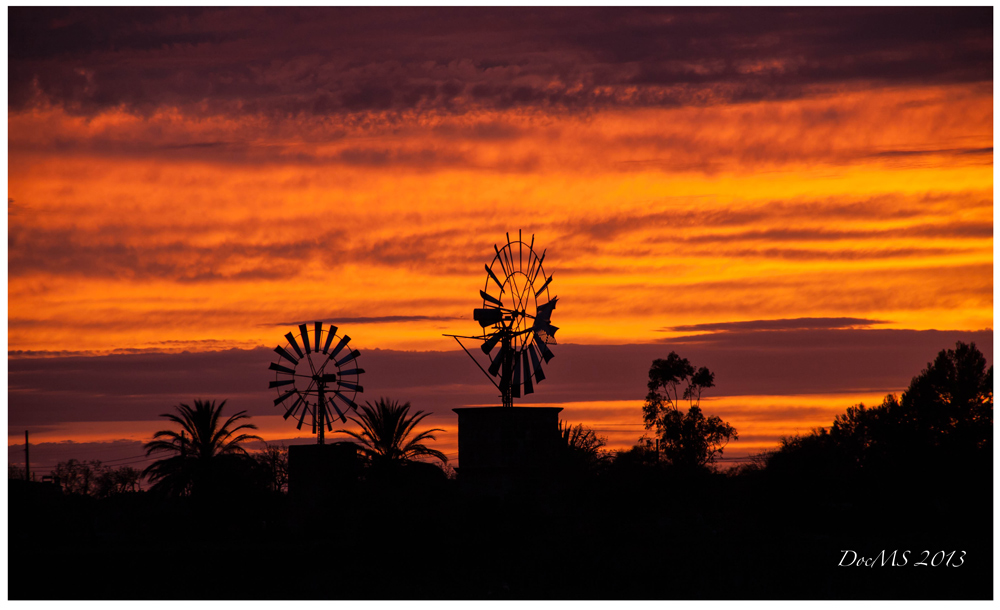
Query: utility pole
x=27 y=461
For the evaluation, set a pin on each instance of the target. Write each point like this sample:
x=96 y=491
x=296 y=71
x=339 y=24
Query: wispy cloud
x=783 y=324
x=368 y=319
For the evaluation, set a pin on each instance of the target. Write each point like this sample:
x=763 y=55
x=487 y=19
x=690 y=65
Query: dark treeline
x=911 y=475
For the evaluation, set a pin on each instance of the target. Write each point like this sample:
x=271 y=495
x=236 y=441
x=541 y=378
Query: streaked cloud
x=784 y=324
x=140 y=386
x=330 y=61
x=369 y=319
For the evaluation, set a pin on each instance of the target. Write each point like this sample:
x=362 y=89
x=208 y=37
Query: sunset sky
x=799 y=199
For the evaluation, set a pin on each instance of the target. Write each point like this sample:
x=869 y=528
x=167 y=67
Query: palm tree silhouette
x=196 y=448
x=385 y=427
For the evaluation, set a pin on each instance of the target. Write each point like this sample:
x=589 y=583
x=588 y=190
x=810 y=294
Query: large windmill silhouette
x=508 y=448
x=516 y=319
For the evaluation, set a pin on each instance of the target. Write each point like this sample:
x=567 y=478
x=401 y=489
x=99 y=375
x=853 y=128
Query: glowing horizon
x=237 y=170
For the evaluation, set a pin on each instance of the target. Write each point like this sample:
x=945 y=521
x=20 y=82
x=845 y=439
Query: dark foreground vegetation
x=912 y=475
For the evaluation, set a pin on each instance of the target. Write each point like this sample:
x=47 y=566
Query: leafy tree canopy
x=685 y=439
x=945 y=417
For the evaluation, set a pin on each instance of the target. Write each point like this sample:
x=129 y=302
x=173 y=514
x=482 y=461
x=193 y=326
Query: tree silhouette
x=76 y=477
x=198 y=450
x=951 y=401
x=385 y=430
x=92 y=478
x=273 y=460
x=114 y=481
x=943 y=421
x=686 y=439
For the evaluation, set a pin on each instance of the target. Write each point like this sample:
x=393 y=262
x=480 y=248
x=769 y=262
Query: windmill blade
x=291 y=410
x=351 y=386
x=328 y=419
x=347 y=401
x=546 y=353
x=347 y=358
x=544 y=326
x=317 y=331
x=487 y=317
x=538 y=265
x=340 y=346
x=352 y=372
x=305 y=410
x=284 y=354
x=276 y=384
x=503 y=261
x=510 y=253
x=490 y=343
x=543 y=314
x=305 y=336
x=295 y=344
x=340 y=413
x=495 y=366
x=487 y=296
x=546 y=334
x=330 y=334
x=282 y=369
x=528 y=389
x=282 y=398
x=542 y=289
x=315 y=417
x=515 y=386
x=539 y=375
x=490 y=271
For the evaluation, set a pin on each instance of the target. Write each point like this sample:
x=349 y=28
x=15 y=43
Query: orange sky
x=123 y=252
x=206 y=221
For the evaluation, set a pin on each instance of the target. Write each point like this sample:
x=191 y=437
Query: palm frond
x=386 y=429
x=192 y=461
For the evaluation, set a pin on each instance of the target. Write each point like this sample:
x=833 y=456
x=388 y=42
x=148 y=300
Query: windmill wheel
x=316 y=376
x=516 y=315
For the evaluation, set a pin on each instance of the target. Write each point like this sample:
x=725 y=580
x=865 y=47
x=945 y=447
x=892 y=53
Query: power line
x=37 y=468
x=124 y=458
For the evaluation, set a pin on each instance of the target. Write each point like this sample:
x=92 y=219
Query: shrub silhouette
x=582 y=448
